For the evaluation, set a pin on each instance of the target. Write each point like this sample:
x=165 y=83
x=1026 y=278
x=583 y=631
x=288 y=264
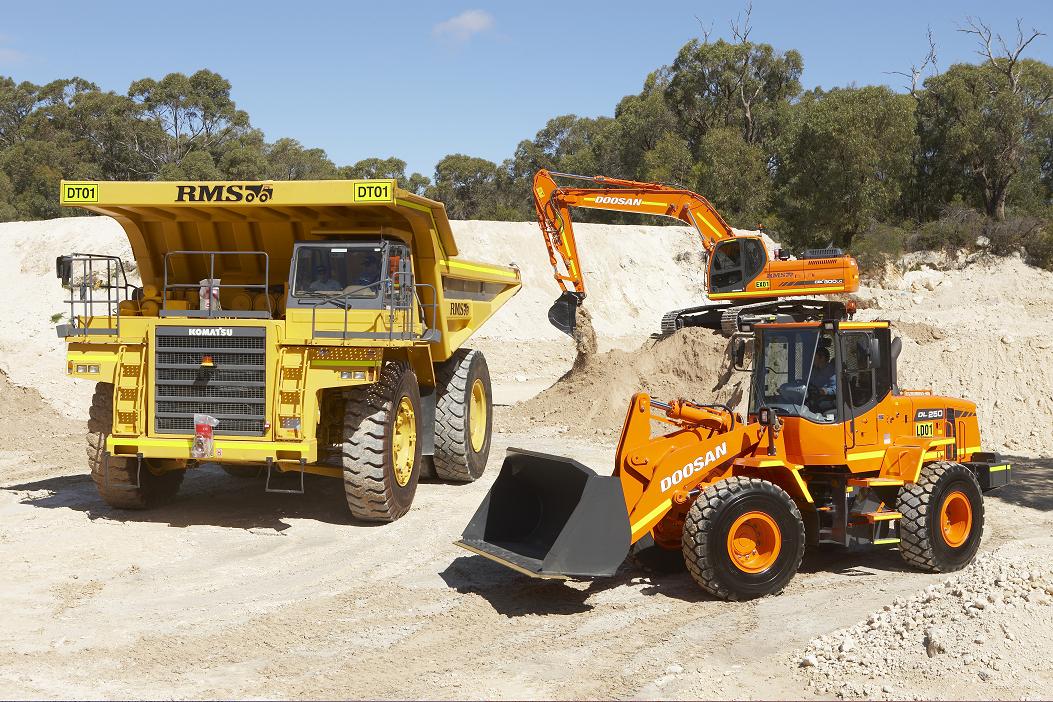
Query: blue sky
x=420 y=80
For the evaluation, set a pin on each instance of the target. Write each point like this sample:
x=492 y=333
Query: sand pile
x=593 y=396
x=979 y=626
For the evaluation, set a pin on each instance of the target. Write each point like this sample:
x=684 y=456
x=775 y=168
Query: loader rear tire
x=382 y=450
x=463 y=416
x=120 y=480
x=743 y=538
x=943 y=518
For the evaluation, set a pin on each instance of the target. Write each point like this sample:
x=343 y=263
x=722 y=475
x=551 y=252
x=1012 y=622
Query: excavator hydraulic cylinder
x=549 y=516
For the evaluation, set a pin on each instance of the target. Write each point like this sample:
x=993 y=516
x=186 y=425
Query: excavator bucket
x=551 y=517
x=564 y=311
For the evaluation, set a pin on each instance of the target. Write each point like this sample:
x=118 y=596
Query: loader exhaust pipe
x=551 y=517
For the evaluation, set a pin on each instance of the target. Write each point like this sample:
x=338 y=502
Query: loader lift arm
x=746 y=274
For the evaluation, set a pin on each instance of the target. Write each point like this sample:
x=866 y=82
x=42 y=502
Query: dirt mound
x=593 y=396
x=27 y=417
x=978 y=627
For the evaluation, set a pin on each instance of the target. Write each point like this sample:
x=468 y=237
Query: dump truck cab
x=831 y=451
x=306 y=327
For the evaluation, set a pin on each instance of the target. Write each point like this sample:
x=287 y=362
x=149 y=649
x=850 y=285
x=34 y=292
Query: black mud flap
x=551 y=517
x=991 y=471
x=563 y=313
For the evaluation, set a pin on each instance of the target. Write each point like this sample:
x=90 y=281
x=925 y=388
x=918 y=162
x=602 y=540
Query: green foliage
x=844 y=160
x=877 y=246
x=734 y=176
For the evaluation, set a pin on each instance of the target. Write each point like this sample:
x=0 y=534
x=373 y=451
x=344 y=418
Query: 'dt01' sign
x=374 y=191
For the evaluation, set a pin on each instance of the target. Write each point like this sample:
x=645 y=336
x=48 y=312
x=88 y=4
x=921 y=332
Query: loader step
x=876 y=482
x=883 y=516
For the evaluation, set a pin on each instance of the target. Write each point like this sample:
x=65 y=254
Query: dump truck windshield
x=794 y=374
x=344 y=270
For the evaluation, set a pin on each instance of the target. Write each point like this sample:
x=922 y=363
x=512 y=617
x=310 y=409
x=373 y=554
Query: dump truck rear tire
x=120 y=481
x=382 y=450
x=943 y=518
x=463 y=416
x=743 y=538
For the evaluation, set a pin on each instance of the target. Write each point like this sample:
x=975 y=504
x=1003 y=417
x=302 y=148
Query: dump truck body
x=261 y=302
x=863 y=464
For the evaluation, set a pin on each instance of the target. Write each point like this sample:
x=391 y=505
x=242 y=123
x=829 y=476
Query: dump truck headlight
x=87 y=369
x=93 y=369
x=353 y=375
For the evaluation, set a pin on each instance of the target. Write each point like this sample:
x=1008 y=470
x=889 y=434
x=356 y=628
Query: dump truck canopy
x=163 y=217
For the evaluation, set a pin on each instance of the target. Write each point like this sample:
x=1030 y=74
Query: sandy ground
x=231 y=592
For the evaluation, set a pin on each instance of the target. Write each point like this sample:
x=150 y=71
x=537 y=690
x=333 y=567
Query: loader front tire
x=943 y=518
x=463 y=416
x=121 y=482
x=382 y=450
x=743 y=538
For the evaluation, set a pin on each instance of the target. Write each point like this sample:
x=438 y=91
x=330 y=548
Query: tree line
x=953 y=156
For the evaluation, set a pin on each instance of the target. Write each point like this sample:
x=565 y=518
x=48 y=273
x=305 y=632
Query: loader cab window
x=734 y=263
x=338 y=270
x=794 y=374
x=865 y=369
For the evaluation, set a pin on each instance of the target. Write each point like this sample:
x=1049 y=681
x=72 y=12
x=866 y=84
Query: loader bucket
x=550 y=517
x=564 y=312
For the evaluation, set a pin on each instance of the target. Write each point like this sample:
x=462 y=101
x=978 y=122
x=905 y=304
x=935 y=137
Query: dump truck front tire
x=943 y=518
x=743 y=538
x=120 y=480
x=382 y=450
x=463 y=416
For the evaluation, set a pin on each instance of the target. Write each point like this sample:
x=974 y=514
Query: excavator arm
x=553 y=204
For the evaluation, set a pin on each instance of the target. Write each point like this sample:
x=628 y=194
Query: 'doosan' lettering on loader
x=699 y=464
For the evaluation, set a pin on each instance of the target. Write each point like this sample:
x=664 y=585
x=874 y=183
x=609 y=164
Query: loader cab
x=823 y=373
x=735 y=262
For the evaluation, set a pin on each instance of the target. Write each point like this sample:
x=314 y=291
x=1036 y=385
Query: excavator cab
x=734 y=263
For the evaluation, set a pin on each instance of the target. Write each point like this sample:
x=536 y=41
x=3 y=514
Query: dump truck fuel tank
x=549 y=516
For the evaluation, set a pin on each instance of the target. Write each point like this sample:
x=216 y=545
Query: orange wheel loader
x=832 y=452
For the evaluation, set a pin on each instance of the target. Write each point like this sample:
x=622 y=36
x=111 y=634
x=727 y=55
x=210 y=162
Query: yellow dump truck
x=280 y=327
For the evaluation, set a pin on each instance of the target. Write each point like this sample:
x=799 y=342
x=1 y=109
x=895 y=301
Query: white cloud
x=9 y=55
x=464 y=26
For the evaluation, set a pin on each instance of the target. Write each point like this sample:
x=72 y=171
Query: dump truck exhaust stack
x=550 y=517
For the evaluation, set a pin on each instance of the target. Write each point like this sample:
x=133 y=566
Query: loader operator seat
x=822 y=385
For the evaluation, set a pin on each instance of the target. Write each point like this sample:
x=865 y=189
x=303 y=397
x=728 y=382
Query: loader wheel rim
x=956 y=519
x=404 y=442
x=477 y=415
x=754 y=542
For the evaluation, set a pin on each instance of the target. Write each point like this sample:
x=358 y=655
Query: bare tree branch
x=740 y=26
x=918 y=70
x=1007 y=62
x=706 y=31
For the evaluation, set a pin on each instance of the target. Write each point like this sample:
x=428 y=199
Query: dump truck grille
x=231 y=385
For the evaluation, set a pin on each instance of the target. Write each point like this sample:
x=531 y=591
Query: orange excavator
x=743 y=279
x=832 y=451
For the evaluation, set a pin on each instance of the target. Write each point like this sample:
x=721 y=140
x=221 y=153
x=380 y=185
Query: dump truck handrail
x=210 y=312
x=114 y=266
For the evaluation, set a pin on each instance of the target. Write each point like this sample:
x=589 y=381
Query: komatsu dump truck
x=280 y=327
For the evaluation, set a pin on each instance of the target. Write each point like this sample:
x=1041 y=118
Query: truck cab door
x=734 y=264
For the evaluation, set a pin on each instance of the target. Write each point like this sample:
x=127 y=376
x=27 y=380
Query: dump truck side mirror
x=64 y=269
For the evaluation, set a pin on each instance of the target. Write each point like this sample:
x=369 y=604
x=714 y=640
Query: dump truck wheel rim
x=956 y=519
x=477 y=415
x=404 y=442
x=754 y=542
